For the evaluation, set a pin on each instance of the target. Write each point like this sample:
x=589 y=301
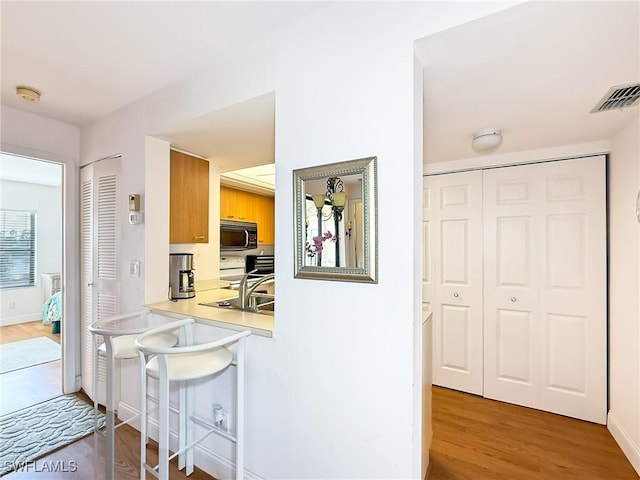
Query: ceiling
x=239 y=136
x=534 y=70
x=90 y=58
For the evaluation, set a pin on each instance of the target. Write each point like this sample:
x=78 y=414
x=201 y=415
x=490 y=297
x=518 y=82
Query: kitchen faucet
x=244 y=291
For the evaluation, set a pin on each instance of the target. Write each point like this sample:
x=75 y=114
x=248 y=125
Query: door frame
x=70 y=324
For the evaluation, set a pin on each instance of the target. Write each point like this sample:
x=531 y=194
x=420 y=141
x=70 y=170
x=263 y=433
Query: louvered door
x=99 y=229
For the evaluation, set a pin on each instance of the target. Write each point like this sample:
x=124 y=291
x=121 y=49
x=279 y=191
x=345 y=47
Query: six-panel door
x=515 y=274
x=545 y=287
x=453 y=277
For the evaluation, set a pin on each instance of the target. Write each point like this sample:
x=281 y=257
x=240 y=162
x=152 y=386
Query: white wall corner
x=624 y=440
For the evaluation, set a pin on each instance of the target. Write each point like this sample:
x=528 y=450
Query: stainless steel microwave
x=236 y=235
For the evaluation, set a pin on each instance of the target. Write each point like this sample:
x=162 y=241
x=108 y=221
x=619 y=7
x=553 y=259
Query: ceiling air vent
x=619 y=97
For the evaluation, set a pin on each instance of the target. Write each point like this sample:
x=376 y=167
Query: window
x=17 y=248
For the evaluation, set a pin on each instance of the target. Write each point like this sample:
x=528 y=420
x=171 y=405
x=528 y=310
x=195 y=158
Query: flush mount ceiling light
x=28 y=94
x=486 y=139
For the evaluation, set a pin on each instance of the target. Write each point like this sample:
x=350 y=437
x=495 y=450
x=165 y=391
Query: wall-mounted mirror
x=336 y=221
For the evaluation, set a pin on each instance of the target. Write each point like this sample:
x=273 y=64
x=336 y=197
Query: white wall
x=30 y=135
x=46 y=201
x=624 y=292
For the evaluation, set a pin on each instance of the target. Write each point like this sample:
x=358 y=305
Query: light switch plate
x=134 y=268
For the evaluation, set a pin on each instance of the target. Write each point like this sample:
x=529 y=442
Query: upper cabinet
x=249 y=207
x=189 y=199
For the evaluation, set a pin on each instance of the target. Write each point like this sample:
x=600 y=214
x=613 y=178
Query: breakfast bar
x=212 y=291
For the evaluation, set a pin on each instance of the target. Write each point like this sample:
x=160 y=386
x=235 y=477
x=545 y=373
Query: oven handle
x=246 y=238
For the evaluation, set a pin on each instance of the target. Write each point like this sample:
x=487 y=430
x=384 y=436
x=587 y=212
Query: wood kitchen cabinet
x=265 y=217
x=189 y=199
x=237 y=204
x=249 y=207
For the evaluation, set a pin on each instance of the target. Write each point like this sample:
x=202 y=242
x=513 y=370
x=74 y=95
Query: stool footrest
x=199 y=421
x=205 y=422
x=152 y=470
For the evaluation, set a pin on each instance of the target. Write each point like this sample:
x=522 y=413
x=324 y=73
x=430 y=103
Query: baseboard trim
x=204 y=458
x=29 y=317
x=624 y=441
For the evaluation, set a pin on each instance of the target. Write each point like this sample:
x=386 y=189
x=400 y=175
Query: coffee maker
x=181 y=283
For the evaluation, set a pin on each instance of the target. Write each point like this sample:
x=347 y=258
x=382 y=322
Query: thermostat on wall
x=135 y=218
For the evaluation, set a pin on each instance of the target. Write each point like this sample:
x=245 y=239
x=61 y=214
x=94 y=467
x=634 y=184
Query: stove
x=233 y=268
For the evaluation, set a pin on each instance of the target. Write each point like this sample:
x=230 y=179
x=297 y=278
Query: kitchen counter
x=212 y=291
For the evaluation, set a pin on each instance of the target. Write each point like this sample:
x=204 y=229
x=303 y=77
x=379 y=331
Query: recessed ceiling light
x=28 y=94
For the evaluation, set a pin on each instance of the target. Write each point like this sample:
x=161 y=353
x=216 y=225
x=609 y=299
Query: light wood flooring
x=28 y=386
x=88 y=460
x=479 y=439
x=473 y=438
x=24 y=331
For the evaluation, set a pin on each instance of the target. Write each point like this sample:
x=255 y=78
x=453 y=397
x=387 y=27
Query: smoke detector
x=28 y=94
x=619 y=97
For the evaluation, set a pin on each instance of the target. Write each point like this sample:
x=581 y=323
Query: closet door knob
x=513 y=299
x=456 y=295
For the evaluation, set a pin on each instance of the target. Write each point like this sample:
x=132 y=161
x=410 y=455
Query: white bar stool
x=119 y=334
x=181 y=364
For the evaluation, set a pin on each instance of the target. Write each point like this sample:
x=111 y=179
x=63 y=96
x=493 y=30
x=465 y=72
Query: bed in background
x=52 y=312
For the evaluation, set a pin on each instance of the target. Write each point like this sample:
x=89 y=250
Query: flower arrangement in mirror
x=318 y=245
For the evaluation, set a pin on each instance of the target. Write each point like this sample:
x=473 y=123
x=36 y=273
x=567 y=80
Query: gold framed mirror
x=336 y=221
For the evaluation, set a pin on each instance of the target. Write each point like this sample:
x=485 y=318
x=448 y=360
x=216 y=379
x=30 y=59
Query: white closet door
x=99 y=230
x=545 y=287
x=453 y=239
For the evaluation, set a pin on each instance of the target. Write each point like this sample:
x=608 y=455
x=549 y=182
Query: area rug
x=35 y=431
x=27 y=353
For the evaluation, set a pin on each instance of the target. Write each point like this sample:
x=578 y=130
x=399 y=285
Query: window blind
x=17 y=248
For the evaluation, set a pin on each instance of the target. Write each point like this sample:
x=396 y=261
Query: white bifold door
x=542 y=286
x=452 y=280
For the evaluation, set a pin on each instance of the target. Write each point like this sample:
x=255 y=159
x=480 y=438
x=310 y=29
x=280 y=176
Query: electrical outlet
x=11 y=305
x=226 y=421
x=218 y=415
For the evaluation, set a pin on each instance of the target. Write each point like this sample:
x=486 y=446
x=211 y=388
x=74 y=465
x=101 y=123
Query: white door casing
x=545 y=286
x=452 y=283
x=100 y=234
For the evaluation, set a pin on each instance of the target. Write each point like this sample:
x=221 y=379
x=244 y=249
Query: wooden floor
x=473 y=438
x=28 y=386
x=479 y=439
x=83 y=459
x=23 y=331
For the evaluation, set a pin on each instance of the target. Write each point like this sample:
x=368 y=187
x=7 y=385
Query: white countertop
x=212 y=291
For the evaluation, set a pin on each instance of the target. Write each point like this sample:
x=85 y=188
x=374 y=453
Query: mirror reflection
x=336 y=221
